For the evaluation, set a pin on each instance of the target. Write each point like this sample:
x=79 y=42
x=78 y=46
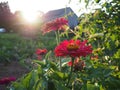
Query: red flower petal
x=70 y=63
x=57 y=24
x=41 y=51
x=77 y=49
x=7 y=80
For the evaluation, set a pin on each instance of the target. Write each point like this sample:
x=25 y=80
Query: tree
x=6 y=17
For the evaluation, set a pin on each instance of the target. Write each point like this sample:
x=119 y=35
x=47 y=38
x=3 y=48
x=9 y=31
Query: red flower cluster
x=7 y=80
x=78 y=65
x=58 y=24
x=73 y=48
x=40 y=52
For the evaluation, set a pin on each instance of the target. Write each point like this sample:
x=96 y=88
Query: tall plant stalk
x=71 y=70
x=57 y=33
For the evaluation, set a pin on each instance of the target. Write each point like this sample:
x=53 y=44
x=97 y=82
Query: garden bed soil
x=13 y=69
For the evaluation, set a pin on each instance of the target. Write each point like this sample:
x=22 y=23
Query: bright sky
x=30 y=7
x=42 y=5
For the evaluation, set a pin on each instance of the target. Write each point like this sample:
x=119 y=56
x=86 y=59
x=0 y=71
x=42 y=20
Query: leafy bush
x=80 y=68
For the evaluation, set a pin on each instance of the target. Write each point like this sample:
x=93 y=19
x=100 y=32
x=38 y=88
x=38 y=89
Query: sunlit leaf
x=97 y=1
x=90 y=87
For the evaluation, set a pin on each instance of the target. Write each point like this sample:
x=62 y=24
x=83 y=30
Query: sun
x=30 y=7
x=30 y=16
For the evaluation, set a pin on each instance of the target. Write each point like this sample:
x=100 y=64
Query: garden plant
x=86 y=58
x=81 y=63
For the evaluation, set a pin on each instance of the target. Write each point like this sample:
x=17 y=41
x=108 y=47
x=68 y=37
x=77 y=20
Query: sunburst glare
x=30 y=16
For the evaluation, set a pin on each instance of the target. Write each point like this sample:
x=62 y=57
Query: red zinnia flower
x=58 y=24
x=7 y=80
x=41 y=51
x=73 y=48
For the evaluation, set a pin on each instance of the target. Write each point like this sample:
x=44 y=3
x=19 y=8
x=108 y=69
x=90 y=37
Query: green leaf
x=107 y=72
x=62 y=75
x=90 y=87
x=52 y=65
x=65 y=61
x=47 y=55
x=97 y=1
x=113 y=37
x=25 y=80
x=60 y=85
x=34 y=79
x=117 y=54
x=29 y=80
x=41 y=85
x=41 y=63
x=17 y=86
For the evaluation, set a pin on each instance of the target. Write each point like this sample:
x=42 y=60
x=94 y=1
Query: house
x=64 y=12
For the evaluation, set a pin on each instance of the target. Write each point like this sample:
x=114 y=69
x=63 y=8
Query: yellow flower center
x=72 y=46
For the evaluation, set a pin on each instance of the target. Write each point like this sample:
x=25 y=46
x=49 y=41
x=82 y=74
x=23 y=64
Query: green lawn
x=16 y=47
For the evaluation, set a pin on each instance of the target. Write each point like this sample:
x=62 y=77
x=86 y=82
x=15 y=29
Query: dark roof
x=64 y=12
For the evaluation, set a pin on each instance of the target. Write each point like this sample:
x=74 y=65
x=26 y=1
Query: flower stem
x=60 y=64
x=58 y=41
x=70 y=75
x=57 y=37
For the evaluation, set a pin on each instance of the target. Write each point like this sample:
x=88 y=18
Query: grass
x=16 y=47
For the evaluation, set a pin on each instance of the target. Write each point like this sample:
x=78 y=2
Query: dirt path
x=13 y=69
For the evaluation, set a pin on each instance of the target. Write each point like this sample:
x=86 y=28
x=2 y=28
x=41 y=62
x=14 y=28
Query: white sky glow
x=43 y=5
x=29 y=7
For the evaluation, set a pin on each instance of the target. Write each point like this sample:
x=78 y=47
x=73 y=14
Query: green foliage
x=7 y=45
x=102 y=30
x=44 y=77
x=16 y=47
